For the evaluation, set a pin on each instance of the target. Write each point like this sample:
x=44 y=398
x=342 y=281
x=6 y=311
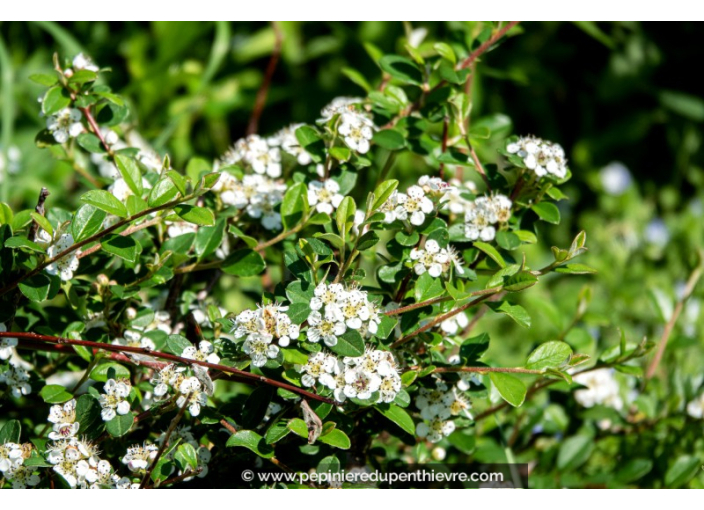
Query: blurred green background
x=620 y=98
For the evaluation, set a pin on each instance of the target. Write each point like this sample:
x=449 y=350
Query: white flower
x=318 y=364
x=357 y=130
x=179 y=228
x=335 y=380
x=169 y=376
x=452 y=325
x=434 y=185
x=695 y=408
x=65 y=124
x=436 y=407
x=81 y=61
x=122 y=191
x=541 y=156
x=10 y=457
x=602 y=388
x=435 y=430
x=324 y=196
x=286 y=139
x=483 y=214
x=137 y=457
x=413 y=203
x=260 y=348
x=192 y=386
x=17 y=378
x=7 y=344
x=339 y=105
x=64 y=419
x=325 y=329
x=114 y=400
x=454 y=201
x=389 y=207
x=67 y=264
x=431 y=259
x=255 y=152
x=267 y=323
x=615 y=178
x=361 y=384
x=205 y=352
x=134 y=338
x=258 y=195
x=22 y=477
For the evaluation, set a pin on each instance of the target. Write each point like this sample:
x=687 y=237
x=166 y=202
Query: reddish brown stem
x=260 y=100
x=55 y=340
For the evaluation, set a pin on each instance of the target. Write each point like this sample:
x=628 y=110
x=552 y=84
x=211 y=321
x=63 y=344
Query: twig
x=39 y=209
x=451 y=313
x=445 y=129
x=91 y=239
x=55 y=340
x=487 y=44
x=180 y=478
x=260 y=100
x=482 y=370
x=689 y=288
x=165 y=443
x=415 y=306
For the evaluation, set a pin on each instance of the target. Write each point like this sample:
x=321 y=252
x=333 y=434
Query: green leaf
x=398 y=416
x=508 y=240
x=55 y=99
x=491 y=252
x=295 y=205
x=344 y=216
x=46 y=80
x=163 y=192
x=252 y=441
x=296 y=293
x=130 y=173
x=208 y=239
x=552 y=354
x=575 y=269
x=516 y=312
x=406 y=239
x=473 y=348
x=298 y=312
x=255 y=407
x=100 y=373
x=382 y=193
x=178 y=180
x=329 y=464
x=244 y=262
x=367 y=241
x=195 y=214
x=10 y=432
x=349 y=344
x=91 y=143
x=88 y=414
x=36 y=288
x=633 y=470
x=519 y=281
x=575 y=451
x=310 y=140
x=22 y=242
x=402 y=69
x=120 y=425
x=298 y=427
x=176 y=344
x=357 y=78
x=186 y=456
x=121 y=246
x=105 y=201
x=511 y=388
x=389 y=139
x=277 y=432
x=547 y=211
x=427 y=288
x=336 y=438
x=87 y=220
x=445 y=51
x=682 y=471
x=55 y=394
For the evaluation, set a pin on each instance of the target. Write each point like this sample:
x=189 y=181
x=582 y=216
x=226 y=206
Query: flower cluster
x=192 y=394
x=539 y=155
x=455 y=200
x=261 y=327
x=12 y=457
x=114 y=400
x=338 y=106
x=602 y=389
x=335 y=308
x=255 y=153
x=362 y=377
x=416 y=203
x=257 y=195
x=435 y=260
x=286 y=139
x=324 y=196
x=17 y=379
x=138 y=457
x=76 y=460
x=695 y=408
x=483 y=214
x=356 y=130
x=437 y=408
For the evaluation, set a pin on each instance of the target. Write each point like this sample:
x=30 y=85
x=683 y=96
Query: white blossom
x=192 y=395
x=138 y=457
x=114 y=400
x=255 y=153
x=65 y=124
x=64 y=421
x=257 y=195
x=10 y=457
x=413 y=205
x=483 y=215
x=432 y=259
x=66 y=265
x=357 y=131
x=437 y=407
x=286 y=139
x=602 y=389
x=339 y=105
x=260 y=348
x=695 y=408
x=17 y=378
x=82 y=61
x=324 y=196
x=541 y=156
